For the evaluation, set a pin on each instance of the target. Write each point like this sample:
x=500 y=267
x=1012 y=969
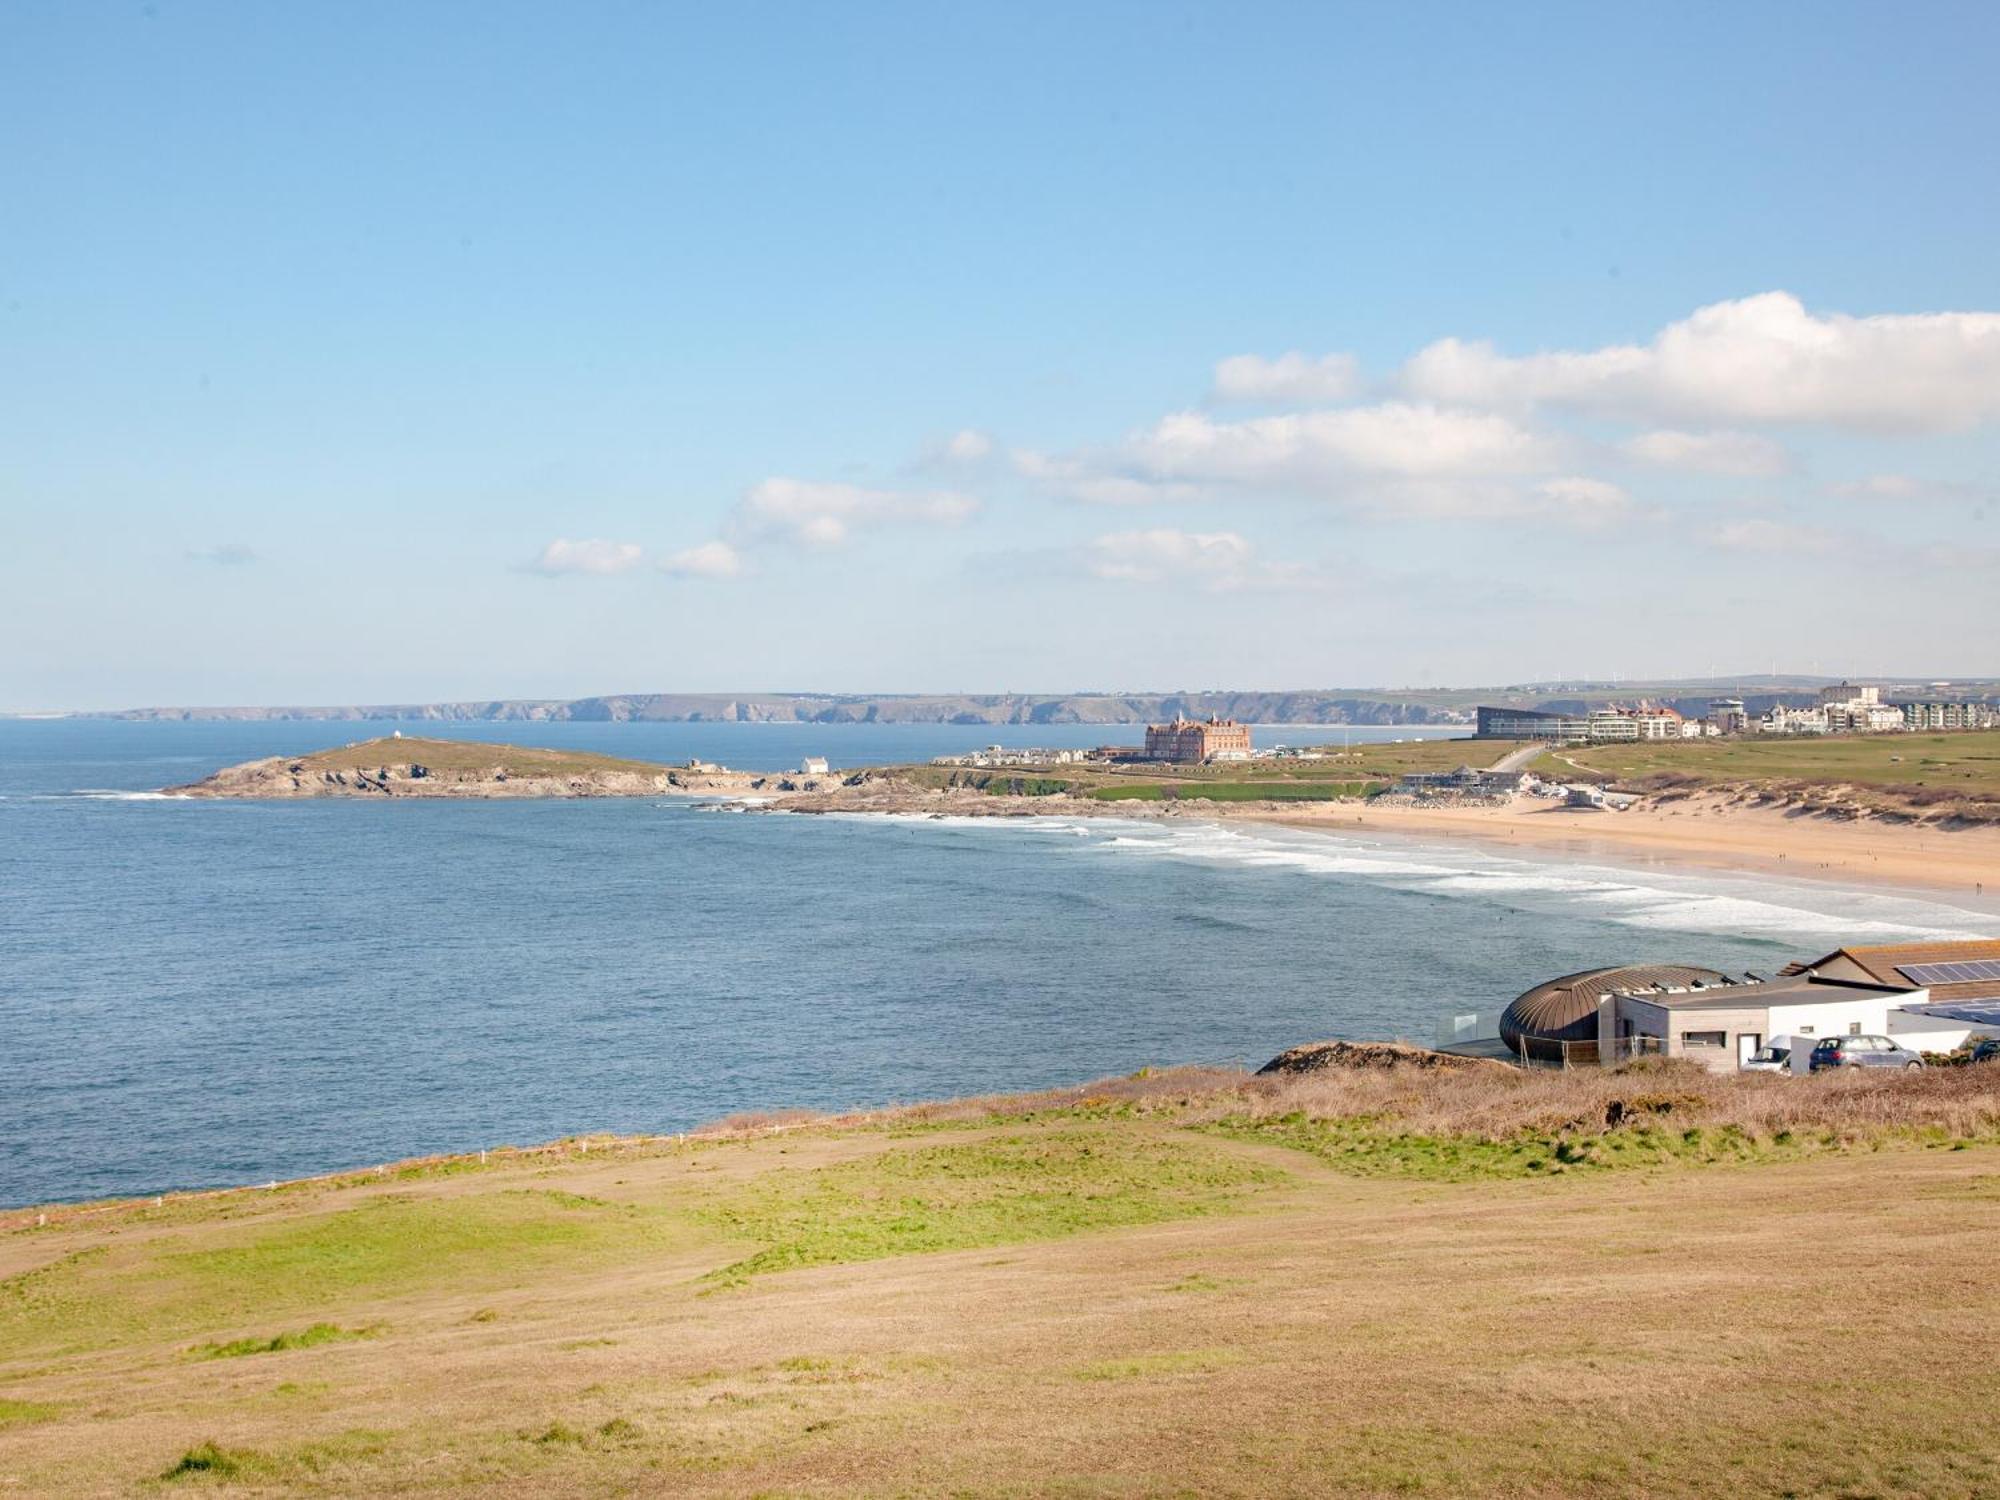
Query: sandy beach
x=1706 y=832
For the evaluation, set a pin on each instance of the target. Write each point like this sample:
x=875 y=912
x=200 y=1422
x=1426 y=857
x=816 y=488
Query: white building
x=1723 y=1026
x=813 y=765
x=1782 y=720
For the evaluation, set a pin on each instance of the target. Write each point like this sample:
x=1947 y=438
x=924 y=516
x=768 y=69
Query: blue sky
x=367 y=353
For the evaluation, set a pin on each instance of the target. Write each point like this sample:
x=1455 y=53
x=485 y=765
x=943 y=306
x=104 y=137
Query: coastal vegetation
x=1947 y=775
x=1339 y=771
x=1343 y=1281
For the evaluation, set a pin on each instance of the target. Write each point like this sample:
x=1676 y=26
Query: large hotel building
x=1198 y=740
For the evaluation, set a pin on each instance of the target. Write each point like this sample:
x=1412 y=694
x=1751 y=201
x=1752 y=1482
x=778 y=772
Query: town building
x=1948 y=715
x=1465 y=782
x=1529 y=724
x=1609 y=723
x=1196 y=740
x=1727 y=716
x=1847 y=709
x=998 y=755
x=1782 y=720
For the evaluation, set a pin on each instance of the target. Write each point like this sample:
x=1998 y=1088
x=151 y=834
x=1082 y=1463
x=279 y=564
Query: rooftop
x=1954 y=969
x=1796 y=989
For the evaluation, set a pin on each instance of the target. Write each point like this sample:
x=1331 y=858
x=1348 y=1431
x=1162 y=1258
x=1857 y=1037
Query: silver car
x=1863 y=1052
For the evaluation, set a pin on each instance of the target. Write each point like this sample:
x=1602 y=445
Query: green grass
x=1379 y=1148
x=460 y=756
x=1015 y=1188
x=21 y=1413
x=211 y=1461
x=1177 y=1362
x=1965 y=764
x=1347 y=771
x=307 y=1338
x=383 y=1247
x=1238 y=791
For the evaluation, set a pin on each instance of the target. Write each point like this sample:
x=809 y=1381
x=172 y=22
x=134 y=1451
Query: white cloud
x=1760 y=535
x=1394 y=461
x=709 y=560
x=1217 y=561
x=1577 y=501
x=1739 y=453
x=593 y=556
x=1309 y=450
x=966 y=447
x=1759 y=360
x=827 y=514
x=1291 y=379
x=1151 y=556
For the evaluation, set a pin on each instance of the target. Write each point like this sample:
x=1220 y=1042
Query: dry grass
x=1209 y=1302
x=1497 y=1103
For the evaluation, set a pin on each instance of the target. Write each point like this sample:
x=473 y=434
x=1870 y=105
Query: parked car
x=1769 y=1060
x=1987 y=1049
x=1862 y=1052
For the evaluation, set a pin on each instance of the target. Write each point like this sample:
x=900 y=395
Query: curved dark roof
x=1565 y=1009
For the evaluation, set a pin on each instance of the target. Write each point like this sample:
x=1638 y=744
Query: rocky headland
x=411 y=767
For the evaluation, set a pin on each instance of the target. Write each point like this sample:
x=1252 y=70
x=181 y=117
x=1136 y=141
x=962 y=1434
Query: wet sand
x=1705 y=832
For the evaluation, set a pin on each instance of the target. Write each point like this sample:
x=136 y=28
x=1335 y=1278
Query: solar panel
x=1962 y=972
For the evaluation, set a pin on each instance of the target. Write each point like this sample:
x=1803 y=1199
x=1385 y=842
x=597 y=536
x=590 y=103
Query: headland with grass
x=1910 y=810
x=1354 y=1280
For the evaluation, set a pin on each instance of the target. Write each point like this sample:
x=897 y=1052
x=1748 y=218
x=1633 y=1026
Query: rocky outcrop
x=1316 y=1057
x=398 y=767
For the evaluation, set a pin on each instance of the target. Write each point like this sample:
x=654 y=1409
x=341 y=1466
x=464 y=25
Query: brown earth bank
x=1357 y=1281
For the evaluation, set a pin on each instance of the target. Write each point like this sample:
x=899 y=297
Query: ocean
x=198 y=993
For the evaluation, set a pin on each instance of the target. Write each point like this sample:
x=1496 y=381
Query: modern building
x=1948 y=715
x=1466 y=781
x=1609 y=723
x=1848 y=709
x=1727 y=716
x=1929 y=997
x=1723 y=1026
x=1196 y=740
x=1530 y=724
x=1557 y=1019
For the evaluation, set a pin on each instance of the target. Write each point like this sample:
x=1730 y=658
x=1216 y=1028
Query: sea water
x=198 y=993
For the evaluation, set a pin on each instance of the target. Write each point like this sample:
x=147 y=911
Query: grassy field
x=458 y=756
x=1355 y=771
x=1188 y=1282
x=1910 y=772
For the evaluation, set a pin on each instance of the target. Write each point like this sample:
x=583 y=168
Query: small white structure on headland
x=813 y=765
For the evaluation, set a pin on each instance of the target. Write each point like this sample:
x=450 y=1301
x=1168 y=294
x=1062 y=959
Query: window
x=1705 y=1038
x=1854 y=1028
x=1805 y=1031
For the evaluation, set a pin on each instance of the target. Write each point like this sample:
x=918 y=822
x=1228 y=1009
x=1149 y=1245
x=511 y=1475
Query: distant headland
x=1337 y=705
x=396 y=766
